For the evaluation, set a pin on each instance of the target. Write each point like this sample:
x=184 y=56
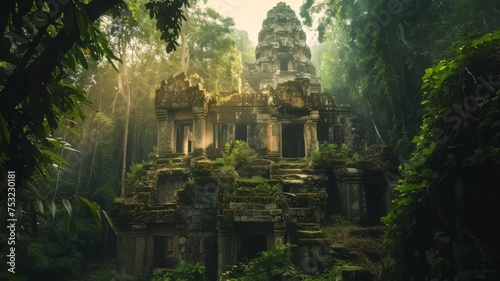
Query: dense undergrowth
x=441 y=226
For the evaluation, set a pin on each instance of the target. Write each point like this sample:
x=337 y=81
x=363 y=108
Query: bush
x=327 y=152
x=271 y=265
x=183 y=272
x=134 y=177
x=104 y=196
x=235 y=155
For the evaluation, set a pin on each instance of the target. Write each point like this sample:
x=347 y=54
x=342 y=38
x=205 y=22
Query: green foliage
x=189 y=272
x=211 y=45
x=257 y=181
x=104 y=196
x=325 y=153
x=331 y=274
x=169 y=16
x=49 y=259
x=271 y=265
x=100 y=271
x=265 y=186
x=44 y=98
x=135 y=178
x=235 y=155
x=337 y=220
x=376 y=52
x=41 y=106
x=56 y=253
x=158 y=276
x=183 y=272
x=244 y=45
x=433 y=232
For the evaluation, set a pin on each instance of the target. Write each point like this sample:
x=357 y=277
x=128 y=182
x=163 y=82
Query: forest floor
x=355 y=245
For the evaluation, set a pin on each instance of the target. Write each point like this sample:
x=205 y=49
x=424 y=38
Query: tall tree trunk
x=379 y=136
x=124 y=88
x=183 y=50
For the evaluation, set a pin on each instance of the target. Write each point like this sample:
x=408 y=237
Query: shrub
x=235 y=155
x=183 y=272
x=271 y=265
x=104 y=196
x=135 y=177
x=327 y=152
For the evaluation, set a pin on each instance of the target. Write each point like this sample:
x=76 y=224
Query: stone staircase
x=304 y=185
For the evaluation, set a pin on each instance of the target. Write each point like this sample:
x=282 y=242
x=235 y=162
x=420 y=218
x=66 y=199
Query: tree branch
x=22 y=84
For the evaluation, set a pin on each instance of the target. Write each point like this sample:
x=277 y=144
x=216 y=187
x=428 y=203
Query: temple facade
x=189 y=210
x=286 y=121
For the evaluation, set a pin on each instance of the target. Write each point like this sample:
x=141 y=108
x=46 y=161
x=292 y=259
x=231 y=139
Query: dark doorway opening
x=250 y=246
x=292 y=141
x=375 y=195
x=325 y=133
x=163 y=251
x=240 y=132
x=284 y=65
x=184 y=138
x=333 y=202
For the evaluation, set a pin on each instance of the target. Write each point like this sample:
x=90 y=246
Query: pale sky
x=249 y=14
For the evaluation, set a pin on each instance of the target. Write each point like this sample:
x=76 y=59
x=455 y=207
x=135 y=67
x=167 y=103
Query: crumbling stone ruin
x=190 y=210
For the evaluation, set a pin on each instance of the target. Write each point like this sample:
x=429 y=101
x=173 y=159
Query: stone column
x=125 y=248
x=161 y=143
x=311 y=131
x=169 y=136
x=199 y=130
x=279 y=233
x=140 y=248
x=260 y=133
x=351 y=188
x=274 y=148
x=225 y=247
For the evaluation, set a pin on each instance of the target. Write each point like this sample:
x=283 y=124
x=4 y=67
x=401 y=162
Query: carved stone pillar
x=225 y=247
x=163 y=133
x=351 y=194
x=279 y=233
x=273 y=134
x=199 y=130
x=140 y=248
x=311 y=131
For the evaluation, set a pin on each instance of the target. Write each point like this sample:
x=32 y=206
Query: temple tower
x=282 y=53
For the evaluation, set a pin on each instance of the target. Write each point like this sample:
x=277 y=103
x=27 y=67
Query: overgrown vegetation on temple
x=270 y=162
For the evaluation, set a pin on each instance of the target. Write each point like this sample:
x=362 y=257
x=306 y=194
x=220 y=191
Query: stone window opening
x=240 y=132
x=284 y=64
x=163 y=251
x=184 y=138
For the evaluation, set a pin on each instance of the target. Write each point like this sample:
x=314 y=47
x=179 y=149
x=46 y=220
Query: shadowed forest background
x=77 y=123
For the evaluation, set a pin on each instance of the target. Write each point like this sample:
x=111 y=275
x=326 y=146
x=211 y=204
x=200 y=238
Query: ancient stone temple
x=189 y=209
x=282 y=53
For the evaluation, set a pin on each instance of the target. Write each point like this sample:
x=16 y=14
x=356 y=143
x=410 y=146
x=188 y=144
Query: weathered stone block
x=275 y=212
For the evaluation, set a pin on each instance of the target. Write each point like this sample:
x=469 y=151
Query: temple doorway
x=184 y=138
x=375 y=196
x=292 y=140
x=250 y=246
x=240 y=132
